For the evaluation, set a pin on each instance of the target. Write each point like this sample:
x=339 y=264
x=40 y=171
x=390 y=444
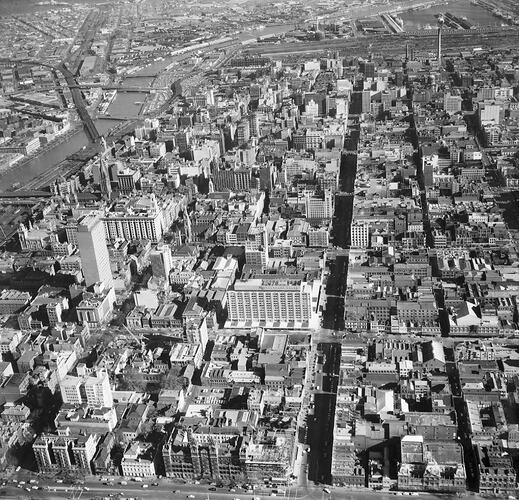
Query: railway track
x=491 y=37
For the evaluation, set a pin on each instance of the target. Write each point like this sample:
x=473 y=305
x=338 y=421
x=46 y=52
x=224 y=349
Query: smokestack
x=441 y=21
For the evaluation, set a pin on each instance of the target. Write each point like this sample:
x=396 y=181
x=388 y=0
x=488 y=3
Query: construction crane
x=138 y=339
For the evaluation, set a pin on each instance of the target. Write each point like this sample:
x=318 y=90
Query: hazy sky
x=8 y=7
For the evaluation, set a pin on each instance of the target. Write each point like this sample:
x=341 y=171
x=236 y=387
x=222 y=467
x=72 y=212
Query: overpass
x=24 y=194
x=90 y=129
x=22 y=202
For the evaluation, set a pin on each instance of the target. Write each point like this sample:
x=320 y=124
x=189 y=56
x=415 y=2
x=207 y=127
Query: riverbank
x=25 y=171
x=42 y=150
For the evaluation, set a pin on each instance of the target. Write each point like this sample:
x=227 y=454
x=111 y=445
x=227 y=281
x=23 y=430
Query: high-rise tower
x=104 y=176
x=409 y=52
x=93 y=251
x=161 y=261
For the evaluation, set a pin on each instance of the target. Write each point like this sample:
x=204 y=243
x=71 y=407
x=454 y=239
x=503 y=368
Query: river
x=127 y=104
x=474 y=13
x=41 y=163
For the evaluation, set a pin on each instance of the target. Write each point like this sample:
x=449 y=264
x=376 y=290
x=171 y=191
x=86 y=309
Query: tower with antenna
x=105 y=184
x=441 y=22
x=187 y=227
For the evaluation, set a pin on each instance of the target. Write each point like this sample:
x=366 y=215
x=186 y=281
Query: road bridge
x=90 y=129
x=118 y=117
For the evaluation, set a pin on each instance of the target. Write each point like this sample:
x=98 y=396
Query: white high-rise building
x=138 y=218
x=134 y=226
x=452 y=103
x=360 y=235
x=312 y=108
x=320 y=207
x=274 y=301
x=490 y=114
x=70 y=388
x=98 y=391
x=91 y=241
x=161 y=261
x=92 y=390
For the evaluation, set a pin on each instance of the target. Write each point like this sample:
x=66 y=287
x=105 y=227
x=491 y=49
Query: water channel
x=475 y=14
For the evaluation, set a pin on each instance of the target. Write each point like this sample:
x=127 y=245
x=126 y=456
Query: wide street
x=168 y=490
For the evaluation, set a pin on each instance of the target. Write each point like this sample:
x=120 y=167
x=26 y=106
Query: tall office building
x=274 y=301
x=320 y=207
x=409 y=52
x=368 y=68
x=104 y=180
x=84 y=449
x=98 y=391
x=490 y=114
x=70 y=388
x=359 y=234
x=254 y=123
x=62 y=449
x=93 y=251
x=243 y=132
x=161 y=261
x=360 y=102
x=266 y=176
x=127 y=180
x=93 y=390
x=140 y=218
x=42 y=453
x=232 y=180
x=70 y=454
x=256 y=247
x=452 y=103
